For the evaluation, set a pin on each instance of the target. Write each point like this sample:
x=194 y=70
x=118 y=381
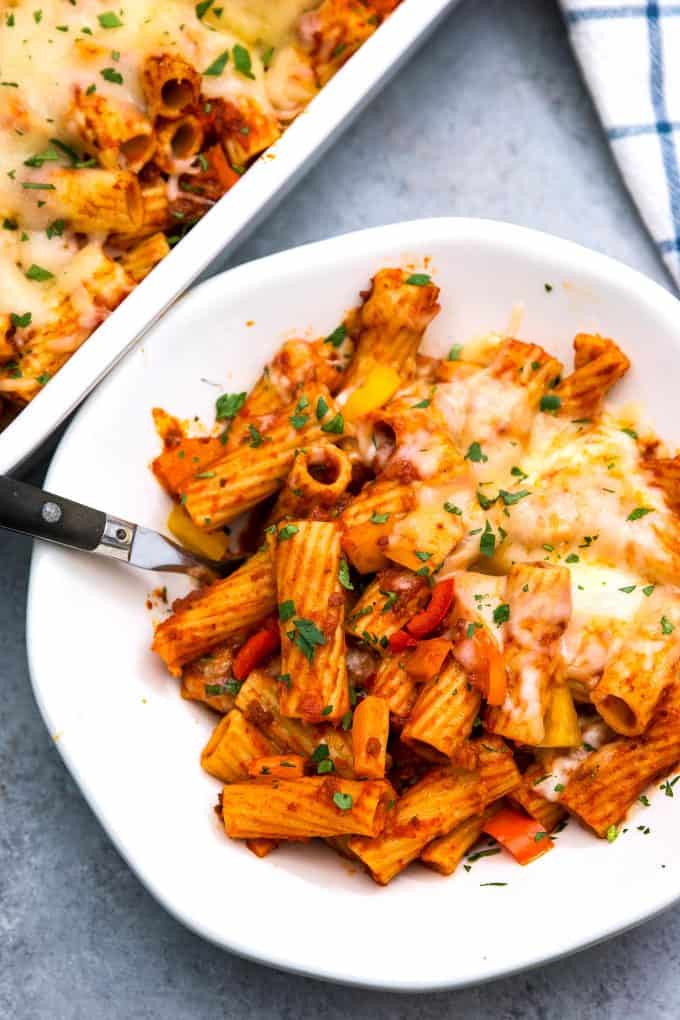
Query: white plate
x=223 y=227
x=133 y=745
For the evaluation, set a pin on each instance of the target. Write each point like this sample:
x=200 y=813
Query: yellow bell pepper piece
x=212 y=545
x=380 y=384
x=561 y=722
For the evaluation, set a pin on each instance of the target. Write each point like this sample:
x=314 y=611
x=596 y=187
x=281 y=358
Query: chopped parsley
x=218 y=65
x=455 y=352
x=648 y=589
x=335 y=425
x=38 y=273
x=256 y=437
x=298 y=421
x=451 y=508
x=501 y=614
x=286 y=610
x=242 y=61
x=55 y=228
x=510 y=498
x=230 y=687
x=287 y=531
x=109 y=19
x=391 y=598
x=631 y=432
x=573 y=558
x=638 y=512
x=475 y=454
x=343 y=575
x=487 y=543
x=321 y=408
x=419 y=279
x=342 y=800
x=306 y=636
x=337 y=336
x=612 y=833
x=21 y=321
x=203 y=8
x=550 y=403
x=666 y=626
x=228 y=405
x=110 y=74
x=377 y=518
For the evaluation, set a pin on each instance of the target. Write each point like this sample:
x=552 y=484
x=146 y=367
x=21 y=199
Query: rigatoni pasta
x=457 y=615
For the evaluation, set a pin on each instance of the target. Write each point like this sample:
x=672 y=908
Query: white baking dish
x=224 y=226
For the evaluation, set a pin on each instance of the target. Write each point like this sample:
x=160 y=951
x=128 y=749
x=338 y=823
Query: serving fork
x=31 y=511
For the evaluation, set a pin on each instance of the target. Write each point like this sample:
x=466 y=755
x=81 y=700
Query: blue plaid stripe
x=623 y=11
x=656 y=84
x=660 y=200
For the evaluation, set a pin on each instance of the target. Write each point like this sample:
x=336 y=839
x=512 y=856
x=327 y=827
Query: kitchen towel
x=630 y=58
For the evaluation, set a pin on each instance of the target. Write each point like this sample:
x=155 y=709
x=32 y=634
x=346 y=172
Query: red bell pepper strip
x=522 y=836
x=401 y=640
x=257 y=648
x=428 y=619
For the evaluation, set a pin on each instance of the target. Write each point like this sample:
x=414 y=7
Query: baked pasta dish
x=459 y=614
x=119 y=128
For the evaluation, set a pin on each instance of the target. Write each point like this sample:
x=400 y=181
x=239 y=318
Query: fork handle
x=31 y=511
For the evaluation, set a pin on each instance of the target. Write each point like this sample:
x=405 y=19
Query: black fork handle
x=31 y=511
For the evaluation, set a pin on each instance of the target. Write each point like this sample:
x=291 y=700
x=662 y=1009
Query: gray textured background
x=489 y=119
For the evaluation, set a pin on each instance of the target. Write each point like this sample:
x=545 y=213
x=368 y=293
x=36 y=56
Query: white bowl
x=133 y=745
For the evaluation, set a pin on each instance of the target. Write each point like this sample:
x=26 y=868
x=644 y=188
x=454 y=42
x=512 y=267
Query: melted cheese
x=49 y=49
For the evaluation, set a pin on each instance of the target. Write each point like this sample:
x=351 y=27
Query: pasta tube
x=443 y=716
x=539 y=600
x=302 y=808
x=205 y=618
x=312 y=617
x=370 y=730
x=258 y=699
x=247 y=475
x=233 y=744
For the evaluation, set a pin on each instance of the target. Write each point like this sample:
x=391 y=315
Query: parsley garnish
x=287 y=531
x=487 y=543
x=391 y=598
x=109 y=20
x=337 y=336
x=256 y=437
x=550 y=403
x=451 y=508
x=666 y=625
x=21 y=321
x=298 y=421
x=286 y=610
x=306 y=635
x=218 y=65
x=419 y=279
x=342 y=800
x=38 y=273
x=510 y=498
x=110 y=74
x=475 y=454
x=455 y=352
x=377 y=518
x=501 y=614
x=321 y=408
x=343 y=575
x=242 y=61
x=228 y=405
x=336 y=425
x=638 y=512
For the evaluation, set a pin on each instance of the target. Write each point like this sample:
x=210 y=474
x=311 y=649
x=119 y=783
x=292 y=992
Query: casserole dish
x=222 y=228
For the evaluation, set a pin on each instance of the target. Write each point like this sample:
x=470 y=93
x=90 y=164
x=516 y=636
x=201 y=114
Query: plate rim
x=414 y=232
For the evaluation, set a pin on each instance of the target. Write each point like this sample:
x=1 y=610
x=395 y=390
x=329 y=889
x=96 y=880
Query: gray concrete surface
x=489 y=119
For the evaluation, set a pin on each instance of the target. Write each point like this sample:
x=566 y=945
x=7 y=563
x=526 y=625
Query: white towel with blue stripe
x=630 y=57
